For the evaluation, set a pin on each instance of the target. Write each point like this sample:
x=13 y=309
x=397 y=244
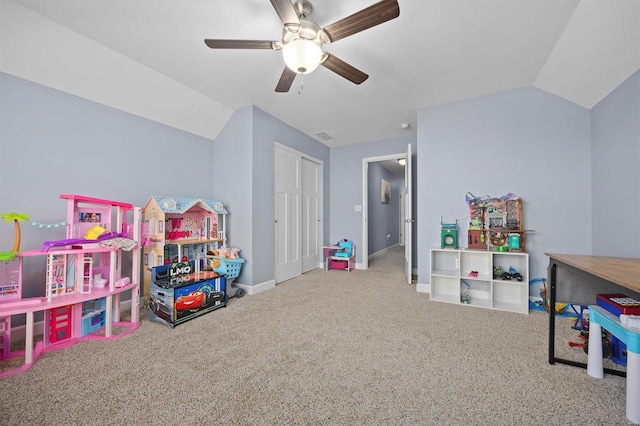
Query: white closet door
x=311 y=214
x=288 y=214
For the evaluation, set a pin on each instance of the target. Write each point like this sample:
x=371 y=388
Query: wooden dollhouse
x=180 y=229
x=497 y=224
x=84 y=280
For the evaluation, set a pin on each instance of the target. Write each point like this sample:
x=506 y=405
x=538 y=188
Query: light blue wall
x=524 y=141
x=384 y=219
x=232 y=177
x=266 y=130
x=53 y=143
x=346 y=184
x=244 y=156
x=615 y=129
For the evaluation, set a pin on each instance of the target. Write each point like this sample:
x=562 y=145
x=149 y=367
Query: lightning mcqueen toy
x=191 y=301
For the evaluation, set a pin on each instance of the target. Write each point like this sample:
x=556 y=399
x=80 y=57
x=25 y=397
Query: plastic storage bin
x=230 y=268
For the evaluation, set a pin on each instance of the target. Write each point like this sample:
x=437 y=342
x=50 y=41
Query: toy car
x=191 y=301
x=514 y=274
x=159 y=307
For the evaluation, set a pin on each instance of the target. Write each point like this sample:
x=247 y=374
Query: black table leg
x=552 y=329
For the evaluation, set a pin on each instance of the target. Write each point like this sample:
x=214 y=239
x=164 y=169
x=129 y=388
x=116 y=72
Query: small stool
x=598 y=318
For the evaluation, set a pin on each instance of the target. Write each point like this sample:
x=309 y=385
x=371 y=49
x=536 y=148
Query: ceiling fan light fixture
x=302 y=56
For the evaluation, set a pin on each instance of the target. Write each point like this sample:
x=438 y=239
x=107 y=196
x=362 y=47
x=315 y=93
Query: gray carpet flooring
x=329 y=347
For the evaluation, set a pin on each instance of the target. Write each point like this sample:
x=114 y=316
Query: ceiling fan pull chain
x=301 y=84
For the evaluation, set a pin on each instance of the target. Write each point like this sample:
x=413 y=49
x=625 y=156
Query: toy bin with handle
x=230 y=268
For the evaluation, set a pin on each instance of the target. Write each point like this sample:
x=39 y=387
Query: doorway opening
x=403 y=214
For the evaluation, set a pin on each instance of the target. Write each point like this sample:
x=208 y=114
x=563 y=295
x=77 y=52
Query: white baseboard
x=381 y=252
x=423 y=288
x=258 y=288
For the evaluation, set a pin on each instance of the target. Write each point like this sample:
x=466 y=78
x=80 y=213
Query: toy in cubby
x=93 y=315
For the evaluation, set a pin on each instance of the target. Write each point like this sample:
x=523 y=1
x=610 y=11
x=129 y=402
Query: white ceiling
x=437 y=51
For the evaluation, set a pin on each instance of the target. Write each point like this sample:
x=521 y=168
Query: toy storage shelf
x=451 y=280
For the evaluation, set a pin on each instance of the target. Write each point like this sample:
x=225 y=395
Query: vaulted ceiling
x=436 y=51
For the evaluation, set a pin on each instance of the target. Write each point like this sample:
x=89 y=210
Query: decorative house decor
x=496 y=224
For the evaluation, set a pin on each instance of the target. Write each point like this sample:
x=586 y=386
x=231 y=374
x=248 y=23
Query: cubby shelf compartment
x=456 y=271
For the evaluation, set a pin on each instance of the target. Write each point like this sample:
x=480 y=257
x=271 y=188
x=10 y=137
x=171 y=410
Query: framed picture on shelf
x=89 y=217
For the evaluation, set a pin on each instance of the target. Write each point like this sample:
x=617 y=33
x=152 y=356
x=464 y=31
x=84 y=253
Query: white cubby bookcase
x=450 y=278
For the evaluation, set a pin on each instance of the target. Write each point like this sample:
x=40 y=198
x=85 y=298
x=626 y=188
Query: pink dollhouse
x=180 y=229
x=83 y=282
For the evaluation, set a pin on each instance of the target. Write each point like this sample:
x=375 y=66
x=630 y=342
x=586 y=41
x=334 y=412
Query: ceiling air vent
x=323 y=135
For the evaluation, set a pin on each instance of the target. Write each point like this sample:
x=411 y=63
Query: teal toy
x=449 y=234
x=514 y=242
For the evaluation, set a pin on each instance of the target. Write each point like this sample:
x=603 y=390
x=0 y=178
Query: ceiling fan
x=302 y=40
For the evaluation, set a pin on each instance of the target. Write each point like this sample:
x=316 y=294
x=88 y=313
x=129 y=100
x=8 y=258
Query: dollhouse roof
x=92 y=200
x=184 y=204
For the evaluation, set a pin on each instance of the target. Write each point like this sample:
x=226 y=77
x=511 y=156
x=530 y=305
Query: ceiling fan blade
x=286 y=80
x=371 y=16
x=343 y=69
x=286 y=12
x=242 y=44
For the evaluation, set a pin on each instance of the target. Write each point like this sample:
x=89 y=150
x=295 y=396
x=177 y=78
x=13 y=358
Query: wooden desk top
x=624 y=271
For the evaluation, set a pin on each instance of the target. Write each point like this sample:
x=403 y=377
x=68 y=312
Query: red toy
x=618 y=303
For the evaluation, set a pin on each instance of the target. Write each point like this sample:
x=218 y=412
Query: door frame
x=365 y=200
x=403 y=216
